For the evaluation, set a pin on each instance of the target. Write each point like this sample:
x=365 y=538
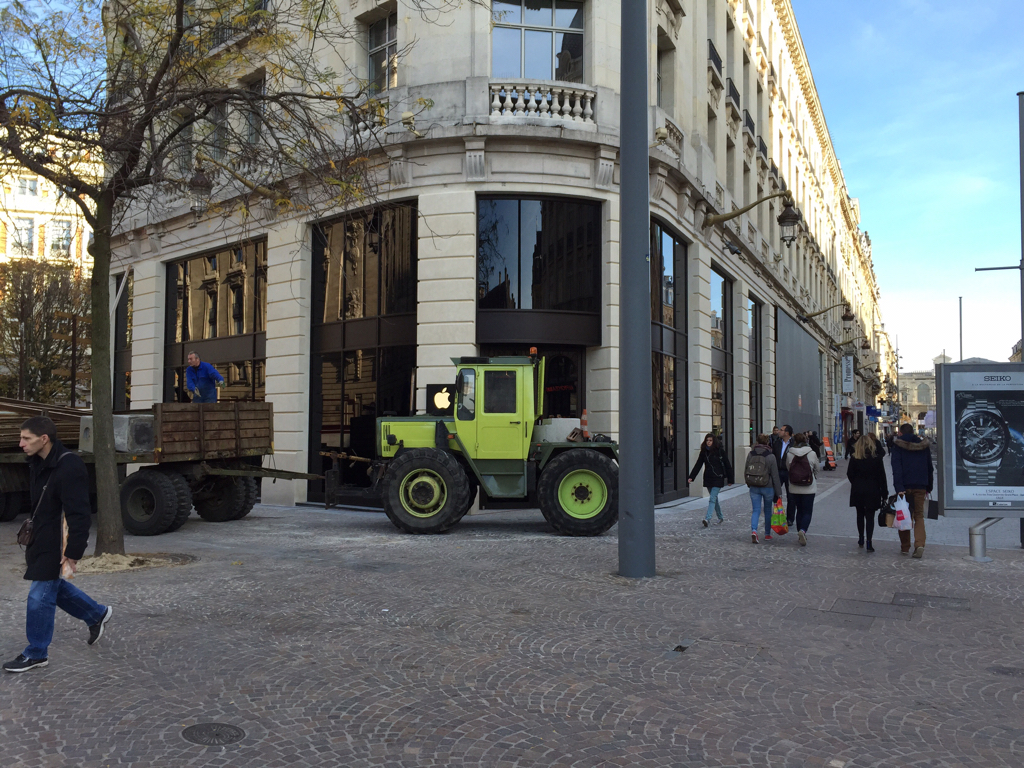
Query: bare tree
x=38 y=301
x=231 y=103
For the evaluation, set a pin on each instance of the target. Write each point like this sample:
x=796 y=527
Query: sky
x=920 y=97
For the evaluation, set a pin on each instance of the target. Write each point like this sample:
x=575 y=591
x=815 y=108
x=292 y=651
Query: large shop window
x=537 y=40
x=123 y=343
x=721 y=358
x=756 y=370
x=363 y=338
x=538 y=271
x=668 y=362
x=217 y=308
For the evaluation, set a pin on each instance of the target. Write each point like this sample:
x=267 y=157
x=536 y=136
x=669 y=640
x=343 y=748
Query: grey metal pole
x=1020 y=105
x=978 y=546
x=636 y=439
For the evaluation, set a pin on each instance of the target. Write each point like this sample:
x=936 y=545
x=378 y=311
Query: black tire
x=13 y=504
x=425 y=491
x=184 y=500
x=149 y=503
x=221 y=498
x=251 y=492
x=474 y=488
x=591 y=466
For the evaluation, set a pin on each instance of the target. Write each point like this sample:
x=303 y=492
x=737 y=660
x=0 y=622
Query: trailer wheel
x=184 y=500
x=149 y=503
x=425 y=491
x=12 y=504
x=578 y=493
x=221 y=498
x=251 y=491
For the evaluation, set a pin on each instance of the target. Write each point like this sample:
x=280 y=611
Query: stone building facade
x=501 y=232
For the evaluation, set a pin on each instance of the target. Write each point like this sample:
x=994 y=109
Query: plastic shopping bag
x=902 y=521
x=779 y=524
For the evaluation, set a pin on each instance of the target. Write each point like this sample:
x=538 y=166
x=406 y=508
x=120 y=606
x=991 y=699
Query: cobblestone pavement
x=333 y=640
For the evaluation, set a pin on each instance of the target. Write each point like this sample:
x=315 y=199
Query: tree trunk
x=110 y=533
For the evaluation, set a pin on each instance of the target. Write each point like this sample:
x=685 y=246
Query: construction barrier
x=830 y=457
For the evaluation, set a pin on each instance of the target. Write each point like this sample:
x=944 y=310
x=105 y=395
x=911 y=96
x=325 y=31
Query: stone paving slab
x=333 y=640
x=931 y=601
x=867 y=608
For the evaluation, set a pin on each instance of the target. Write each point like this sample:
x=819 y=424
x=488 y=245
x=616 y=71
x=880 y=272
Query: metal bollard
x=978 y=551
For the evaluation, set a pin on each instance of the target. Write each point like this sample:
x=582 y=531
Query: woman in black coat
x=869 y=488
x=717 y=474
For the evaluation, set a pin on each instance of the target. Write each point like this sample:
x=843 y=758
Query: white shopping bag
x=902 y=521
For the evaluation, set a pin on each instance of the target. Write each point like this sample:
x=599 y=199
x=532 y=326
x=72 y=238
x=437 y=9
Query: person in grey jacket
x=803 y=495
x=763 y=461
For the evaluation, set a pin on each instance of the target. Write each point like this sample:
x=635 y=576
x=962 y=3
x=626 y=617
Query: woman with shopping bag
x=761 y=474
x=802 y=465
x=869 y=487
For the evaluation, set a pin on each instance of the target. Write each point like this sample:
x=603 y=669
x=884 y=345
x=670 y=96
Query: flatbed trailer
x=200 y=456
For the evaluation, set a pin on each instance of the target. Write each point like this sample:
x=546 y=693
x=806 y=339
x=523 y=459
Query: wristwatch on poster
x=982 y=438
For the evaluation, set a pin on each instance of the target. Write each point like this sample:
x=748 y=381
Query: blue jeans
x=713 y=505
x=767 y=495
x=44 y=597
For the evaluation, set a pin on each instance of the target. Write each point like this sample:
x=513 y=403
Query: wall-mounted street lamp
x=200 y=188
x=788 y=220
x=848 y=316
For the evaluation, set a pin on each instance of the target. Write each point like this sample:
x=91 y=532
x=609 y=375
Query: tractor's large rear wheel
x=184 y=492
x=220 y=498
x=578 y=492
x=425 y=491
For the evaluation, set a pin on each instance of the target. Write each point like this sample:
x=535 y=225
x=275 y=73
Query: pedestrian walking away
x=761 y=474
x=913 y=477
x=717 y=474
x=60 y=492
x=869 y=488
x=781 y=450
x=850 y=441
x=879 y=446
x=803 y=483
x=202 y=380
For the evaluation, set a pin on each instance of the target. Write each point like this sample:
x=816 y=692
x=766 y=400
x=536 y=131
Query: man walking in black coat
x=913 y=477
x=60 y=483
x=780 y=449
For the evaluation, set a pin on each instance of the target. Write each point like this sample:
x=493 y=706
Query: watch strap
x=982 y=475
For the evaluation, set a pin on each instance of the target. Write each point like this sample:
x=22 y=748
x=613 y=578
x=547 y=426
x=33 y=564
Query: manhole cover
x=213 y=734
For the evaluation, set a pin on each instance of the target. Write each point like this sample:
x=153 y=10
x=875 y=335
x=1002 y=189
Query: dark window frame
x=723 y=359
x=755 y=313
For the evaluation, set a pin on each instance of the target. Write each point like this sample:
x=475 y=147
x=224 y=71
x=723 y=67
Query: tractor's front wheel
x=425 y=491
x=578 y=492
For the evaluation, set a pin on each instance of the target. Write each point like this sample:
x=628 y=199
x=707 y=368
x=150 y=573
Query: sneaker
x=24 y=664
x=719 y=521
x=802 y=537
x=705 y=521
x=753 y=537
x=919 y=552
x=904 y=551
x=767 y=537
x=96 y=630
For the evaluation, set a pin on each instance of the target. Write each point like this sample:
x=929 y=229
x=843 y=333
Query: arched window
x=924 y=393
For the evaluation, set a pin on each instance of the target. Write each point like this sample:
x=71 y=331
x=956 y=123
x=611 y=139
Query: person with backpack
x=869 y=487
x=717 y=474
x=802 y=466
x=761 y=474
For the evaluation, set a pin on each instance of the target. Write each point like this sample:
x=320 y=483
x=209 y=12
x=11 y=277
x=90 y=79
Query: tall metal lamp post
x=636 y=428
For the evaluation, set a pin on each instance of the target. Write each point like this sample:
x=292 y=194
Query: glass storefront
x=217 y=308
x=363 y=359
x=756 y=369
x=721 y=357
x=668 y=362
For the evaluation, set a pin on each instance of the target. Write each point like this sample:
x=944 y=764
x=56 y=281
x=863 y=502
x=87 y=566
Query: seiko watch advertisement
x=988 y=435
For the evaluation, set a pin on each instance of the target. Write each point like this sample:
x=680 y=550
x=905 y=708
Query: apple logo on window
x=442 y=400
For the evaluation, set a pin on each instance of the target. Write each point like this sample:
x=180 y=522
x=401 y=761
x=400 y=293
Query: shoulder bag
x=27 y=532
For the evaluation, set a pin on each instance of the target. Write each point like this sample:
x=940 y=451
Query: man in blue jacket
x=912 y=476
x=202 y=380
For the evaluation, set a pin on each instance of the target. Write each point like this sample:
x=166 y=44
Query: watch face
x=982 y=437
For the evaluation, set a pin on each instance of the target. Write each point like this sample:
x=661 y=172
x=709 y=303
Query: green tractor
x=431 y=468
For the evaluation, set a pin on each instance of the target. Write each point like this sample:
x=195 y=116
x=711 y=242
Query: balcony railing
x=762 y=148
x=748 y=122
x=713 y=58
x=733 y=92
x=775 y=170
x=559 y=104
x=771 y=74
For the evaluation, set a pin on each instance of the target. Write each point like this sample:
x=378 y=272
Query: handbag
x=933 y=508
x=27 y=532
x=779 y=523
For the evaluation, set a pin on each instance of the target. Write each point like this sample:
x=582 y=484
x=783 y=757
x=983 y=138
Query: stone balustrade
x=565 y=105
